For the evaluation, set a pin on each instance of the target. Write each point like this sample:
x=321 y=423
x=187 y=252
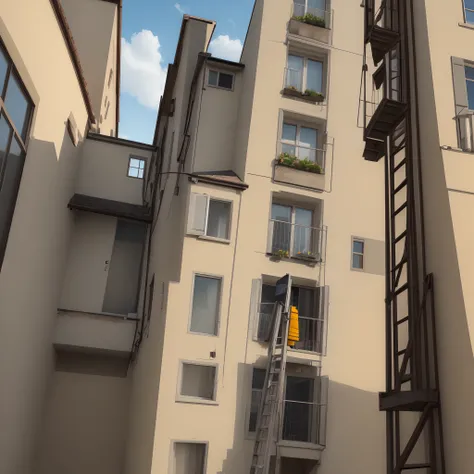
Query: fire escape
x=411 y=400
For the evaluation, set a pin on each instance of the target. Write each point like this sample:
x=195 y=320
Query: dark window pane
x=358 y=246
x=470 y=94
x=470 y=16
x=225 y=80
x=469 y=71
x=469 y=4
x=258 y=379
x=3 y=70
x=357 y=261
x=218 y=220
x=5 y=133
x=213 y=78
x=16 y=104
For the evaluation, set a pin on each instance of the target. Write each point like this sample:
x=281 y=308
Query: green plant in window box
x=291 y=161
x=306 y=254
x=313 y=95
x=280 y=253
x=311 y=20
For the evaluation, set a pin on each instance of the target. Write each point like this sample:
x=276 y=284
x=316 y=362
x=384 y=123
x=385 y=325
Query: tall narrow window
x=469 y=11
x=357 y=254
x=469 y=73
x=258 y=379
x=189 y=458
x=206 y=301
x=15 y=113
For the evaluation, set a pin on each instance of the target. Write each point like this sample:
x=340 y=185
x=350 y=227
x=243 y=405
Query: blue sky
x=150 y=31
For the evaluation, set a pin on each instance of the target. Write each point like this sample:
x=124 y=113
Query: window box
x=289 y=175
x=291 y=161
x=309 y=95
x=311 y=19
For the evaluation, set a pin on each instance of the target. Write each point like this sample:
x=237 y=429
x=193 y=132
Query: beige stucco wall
x=103 y=172
x=37 y=248
x=85 y=425
x=93 y=27
x=448 y=203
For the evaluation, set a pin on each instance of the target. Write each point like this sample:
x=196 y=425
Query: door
x=121 y=292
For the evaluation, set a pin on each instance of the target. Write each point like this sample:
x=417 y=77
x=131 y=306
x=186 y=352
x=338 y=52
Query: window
x=220 y=79
x=469 y=74
x=136 y=167
x=357 y=254
x=189 y=458
x=300 y=142
x=206 y=302
x=111 y=75
x=107 y=110
x=312 y=306
x=209 y=217
x=198 y=381
x=16 y=109
x=469 y=11
x=313 y=7
x=292 y=233
x=258 y=379
x=303 y=74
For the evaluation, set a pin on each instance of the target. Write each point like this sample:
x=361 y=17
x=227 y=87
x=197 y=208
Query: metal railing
x=465 y=124
x=322 y=17
x=304 y=422
x=289 y=240
x=302 y=152
x=311 y=330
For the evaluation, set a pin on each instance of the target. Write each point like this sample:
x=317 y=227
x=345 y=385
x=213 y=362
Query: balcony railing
x=304 y=422
x=287 y=240
x=303 y=152
x=312 y=329
x=312 y=16
x=466 y=131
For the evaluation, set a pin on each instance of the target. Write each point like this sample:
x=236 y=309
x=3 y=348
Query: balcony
x=314 y=23
x=304 y=422
x=465 y=124
x=301 y=165
x=294 y=87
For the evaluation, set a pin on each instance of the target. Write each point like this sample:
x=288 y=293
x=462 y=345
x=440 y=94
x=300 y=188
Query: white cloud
x=143 y=74
x=226 y=48
x=180 y=8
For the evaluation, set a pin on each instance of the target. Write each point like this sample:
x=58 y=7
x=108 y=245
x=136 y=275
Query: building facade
x=134 y=325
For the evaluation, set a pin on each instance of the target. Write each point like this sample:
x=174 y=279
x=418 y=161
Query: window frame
x=304 y=82
x=139 y=158
x=297 y=138
x=360 y=240
x=209 y=69
x=189 y=398
x=174 y=442
x=219 y=304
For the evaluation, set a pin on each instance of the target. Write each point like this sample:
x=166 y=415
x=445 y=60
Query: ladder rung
x=400 y=237
x=400 y=209
x=417 y=466
x=403 y=320
x=403 y=162
x=400 y=186
x=399 y=264
x=401 y=289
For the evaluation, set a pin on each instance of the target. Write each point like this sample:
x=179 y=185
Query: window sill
x=469 y=26
x=196 y=401
x=214 y=239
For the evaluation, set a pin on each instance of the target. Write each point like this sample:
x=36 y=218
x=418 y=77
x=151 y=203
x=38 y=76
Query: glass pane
x=189 y=458
x=198 y=381
x=358 y=246
x=16 y=105
x=469 y=4
x=303 y=217
x=226 y=80
x=294 y=72
x=469 y=16
x=303 y=233
x=268 y=297
x=218 y=221
x=5 y=133
x=357 y=261
x=258 y=378
x=254 y=405
x=469 y=71
x=308 y=137
x=3 y=69
x=289 y=132
x=205 y=305
x=213 y=78
x=470 y=94
x=318 y=5
x=281 y=213
x=133 y=172
x=134 y=163
x=314 y=76
x=290 y=149
x=140 y=173
x=141 y=164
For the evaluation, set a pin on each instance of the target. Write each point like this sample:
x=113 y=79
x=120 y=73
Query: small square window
x=189 y=458
x=221 y=79
x=136 y=168
x=198 y=381
x=358 y=254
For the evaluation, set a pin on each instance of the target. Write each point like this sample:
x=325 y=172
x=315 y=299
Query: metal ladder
x=271 y=404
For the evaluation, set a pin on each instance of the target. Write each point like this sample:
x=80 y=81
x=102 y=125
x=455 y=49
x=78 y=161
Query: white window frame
x=139 y=158
x=298 y=132
x=204 y=235
x=171 y=466
x=218 y=75
x=357 y=239
x=196 y=400
x=465 y=10
x=304 y=81
x=219 y=304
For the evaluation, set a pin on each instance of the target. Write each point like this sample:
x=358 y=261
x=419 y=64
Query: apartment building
x=134 y=325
